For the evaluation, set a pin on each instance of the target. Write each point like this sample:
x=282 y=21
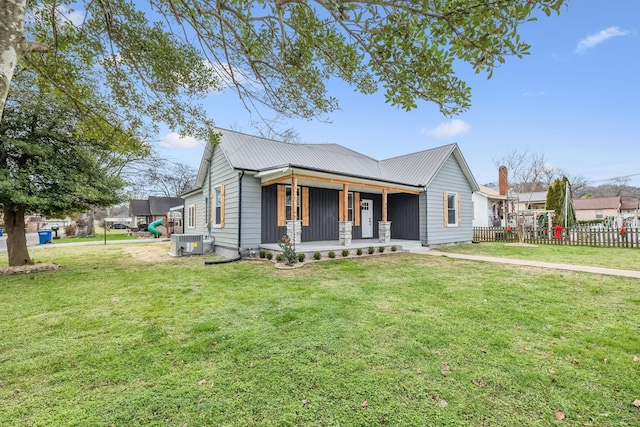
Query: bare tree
x=159 y=177
x=528 y=172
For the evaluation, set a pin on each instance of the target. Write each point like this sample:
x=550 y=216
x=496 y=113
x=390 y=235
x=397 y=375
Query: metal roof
x=597 y=203
x=153 y=206
x=535 y=196
x=253 y=153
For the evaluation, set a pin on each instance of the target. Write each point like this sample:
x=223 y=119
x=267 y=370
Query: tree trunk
x=12 y=15
x=16 y=238
x=91 y=228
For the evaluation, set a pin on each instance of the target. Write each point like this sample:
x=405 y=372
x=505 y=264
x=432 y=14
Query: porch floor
x=334 y=245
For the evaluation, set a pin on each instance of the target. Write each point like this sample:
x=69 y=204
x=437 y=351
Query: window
x=452 y=209
x=191 y=216
x=599 y=214
x=350 y=207
x=287 y=202
x=217 y=206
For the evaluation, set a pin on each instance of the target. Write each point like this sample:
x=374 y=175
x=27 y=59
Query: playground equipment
x=153 y=230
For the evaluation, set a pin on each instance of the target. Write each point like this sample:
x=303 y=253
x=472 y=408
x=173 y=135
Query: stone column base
x=384 y=231
x=344 y=233
x=294 y=231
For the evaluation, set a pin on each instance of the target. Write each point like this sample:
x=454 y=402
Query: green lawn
x=425 y=341
x=621 y=258
x=99 y=237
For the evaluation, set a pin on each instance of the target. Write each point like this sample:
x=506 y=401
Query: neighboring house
x=488 y=207
x=152 y=209
x=599 y=208
x=252 y=191
x=535 y=200
x=630 y=209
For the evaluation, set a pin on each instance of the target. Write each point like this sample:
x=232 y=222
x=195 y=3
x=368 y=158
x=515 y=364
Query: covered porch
x=327 y=209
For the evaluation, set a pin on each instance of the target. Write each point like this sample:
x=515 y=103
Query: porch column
x=294 y=226
x=294 y=231
x=345 y=226
x=384 y=226
x=384 y=205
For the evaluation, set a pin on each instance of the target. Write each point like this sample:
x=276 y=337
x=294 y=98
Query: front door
x=366 y=218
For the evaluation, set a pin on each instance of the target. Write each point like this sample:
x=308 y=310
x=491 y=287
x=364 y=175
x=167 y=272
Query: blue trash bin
x=1 y=232
x=44 y=236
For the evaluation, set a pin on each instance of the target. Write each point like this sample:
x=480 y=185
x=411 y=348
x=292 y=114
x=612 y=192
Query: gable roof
x=630 y=205
x=161 y=205
x=598 y=203
x=139 y=208
x=253 y=153
x=491 y=193
x=534 y=196
x=153 y=206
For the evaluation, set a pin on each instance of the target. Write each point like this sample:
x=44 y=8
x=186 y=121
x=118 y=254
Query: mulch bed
x=26 y=269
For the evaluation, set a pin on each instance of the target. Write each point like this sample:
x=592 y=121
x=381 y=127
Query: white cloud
x=76 y=17
x=533 y=93
x=446 y=130
x=174 y=140
x=595 y=39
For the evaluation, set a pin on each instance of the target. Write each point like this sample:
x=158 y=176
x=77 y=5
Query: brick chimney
x=503 y=180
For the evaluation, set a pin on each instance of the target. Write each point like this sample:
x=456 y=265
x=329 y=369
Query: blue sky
x=574 y=99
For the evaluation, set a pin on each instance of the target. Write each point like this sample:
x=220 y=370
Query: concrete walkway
x=541 y=264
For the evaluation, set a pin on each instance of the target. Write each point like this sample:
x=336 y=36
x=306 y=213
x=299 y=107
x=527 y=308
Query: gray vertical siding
x=251 y=211
x=422 y=221
x=270 y=230
x=222 y=173
x=450 y=178
x=403 y=212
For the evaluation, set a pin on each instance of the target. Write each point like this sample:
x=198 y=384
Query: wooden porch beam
x=276 y=180
x=343 y=182
x=384 y=205
x=345 y=202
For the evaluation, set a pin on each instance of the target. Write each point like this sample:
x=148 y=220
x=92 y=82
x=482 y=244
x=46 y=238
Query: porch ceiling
x=307 y=178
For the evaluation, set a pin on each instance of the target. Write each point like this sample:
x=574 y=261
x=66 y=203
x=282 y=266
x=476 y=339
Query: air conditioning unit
x=186 y=244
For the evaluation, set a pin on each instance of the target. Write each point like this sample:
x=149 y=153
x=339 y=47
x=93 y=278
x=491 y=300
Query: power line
x=614 y=178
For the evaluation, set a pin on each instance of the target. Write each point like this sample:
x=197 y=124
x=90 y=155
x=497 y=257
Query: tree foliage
x=152 y=59
x=48 y=164
x=560 y=200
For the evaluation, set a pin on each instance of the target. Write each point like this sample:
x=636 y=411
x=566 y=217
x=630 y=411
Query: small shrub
x=381 y=249
x=394 y=248
x=359 y=251
x=69 y=230
x=345 y=252
x=371 y=250
x=288 y=253
x=317 y=255
x=280 y=258
x=263 y=253
x=301 y=256
x=269 y=255
x=331 y=254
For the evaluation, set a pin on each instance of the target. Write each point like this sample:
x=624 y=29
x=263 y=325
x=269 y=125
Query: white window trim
x=191 y=216
x=288 y=189
x=455 y=209
x=217 y=191
x=350 y=208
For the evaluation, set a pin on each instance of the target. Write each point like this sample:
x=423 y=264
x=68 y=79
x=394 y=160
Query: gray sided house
x=251 y=191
